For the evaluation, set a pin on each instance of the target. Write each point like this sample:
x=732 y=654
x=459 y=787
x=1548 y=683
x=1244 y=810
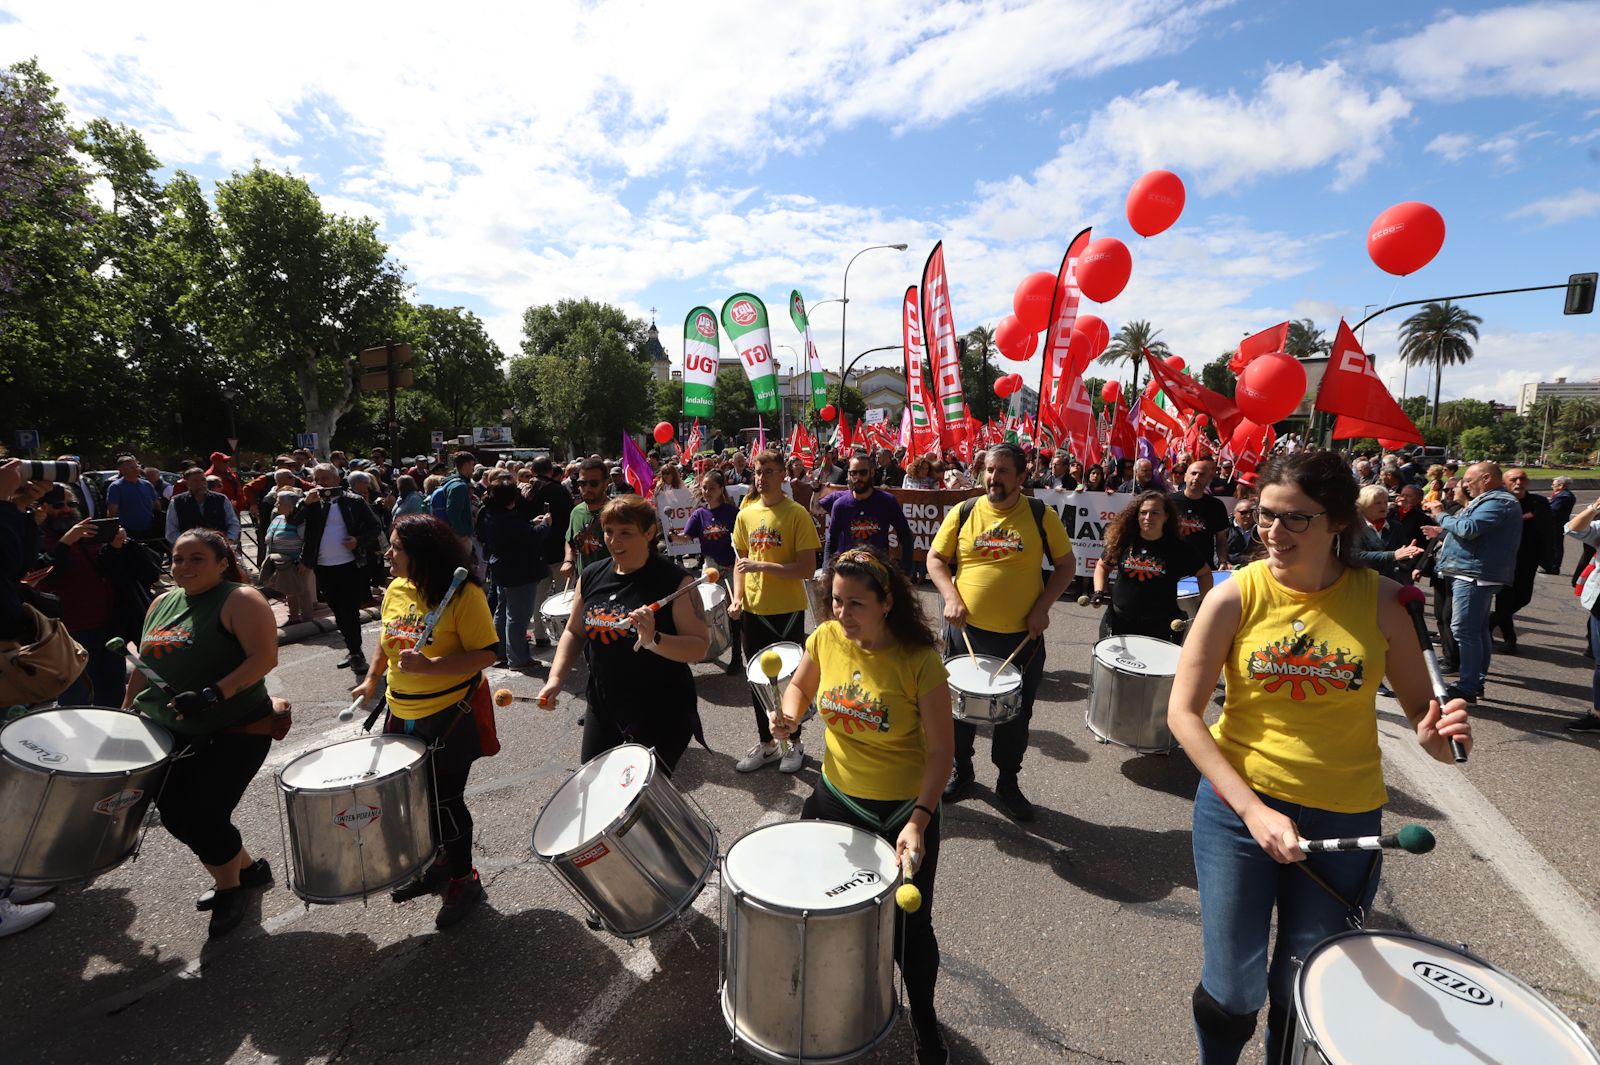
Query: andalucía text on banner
x=939 y=335
x=699 y=362
x=1352 y=389
x=1058 y=339
x=1190 y=394
x=819 y=383
x=924 y=428
x=744 y=319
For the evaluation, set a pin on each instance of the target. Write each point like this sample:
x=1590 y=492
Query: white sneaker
x=758 y=756
x=14 y=918
x=24 y=895
x=794 y=759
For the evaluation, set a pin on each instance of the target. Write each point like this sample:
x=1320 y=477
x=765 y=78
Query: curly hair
x=906 y=620
x=435 y=553
x=1123 y=532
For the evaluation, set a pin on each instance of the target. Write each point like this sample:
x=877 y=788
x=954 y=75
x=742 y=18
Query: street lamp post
x=852 y=366
x=230 y=394
x=844 y=311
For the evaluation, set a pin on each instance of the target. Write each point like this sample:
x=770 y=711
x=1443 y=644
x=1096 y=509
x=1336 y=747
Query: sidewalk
x=321 y=622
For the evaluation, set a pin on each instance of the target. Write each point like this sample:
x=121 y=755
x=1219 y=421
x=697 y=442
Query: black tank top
x=627 y=686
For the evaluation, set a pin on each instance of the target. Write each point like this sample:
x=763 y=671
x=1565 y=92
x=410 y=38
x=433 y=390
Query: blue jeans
x=513 y=608
x=1240 y=884
x=1594 y=648
x=1469 y=624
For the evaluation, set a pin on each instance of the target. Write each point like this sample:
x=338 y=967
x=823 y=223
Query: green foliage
x=1438 y=335
x=1129 y=345
x=669 y=402
x=584 y=374
x=456 y=366
x=1416 y=408
x=1305 y=340
x=1480 y=442
x=1216 y=376
x=1460 y=414
x=855 y=408
x=979 y=373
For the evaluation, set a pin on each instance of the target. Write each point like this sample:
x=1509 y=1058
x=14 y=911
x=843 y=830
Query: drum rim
x=626 y=812
x=1095 y=658
x=731 y=885
x=329 y=789
x=1569 y=1025
x=165 y=734
x=1009 y=693
x=776 y=1057
x=755 y=662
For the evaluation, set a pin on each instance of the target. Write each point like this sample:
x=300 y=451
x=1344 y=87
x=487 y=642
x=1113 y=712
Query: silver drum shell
x=978 y=709
x=716 y=608
x=1129 y=708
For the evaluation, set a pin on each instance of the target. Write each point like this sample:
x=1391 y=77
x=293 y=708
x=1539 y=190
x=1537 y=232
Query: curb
x=304 y=630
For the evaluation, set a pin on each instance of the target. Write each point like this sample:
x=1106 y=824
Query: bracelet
x=924 y=809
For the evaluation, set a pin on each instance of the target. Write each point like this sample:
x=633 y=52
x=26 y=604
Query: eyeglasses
x=1294 y=522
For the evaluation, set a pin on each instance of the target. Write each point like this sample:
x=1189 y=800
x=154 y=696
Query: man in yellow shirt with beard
x=999 y=595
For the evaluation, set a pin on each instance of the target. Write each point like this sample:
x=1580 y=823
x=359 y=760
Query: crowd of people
x=1315 y=545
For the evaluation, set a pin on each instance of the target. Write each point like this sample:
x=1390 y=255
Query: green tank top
x=185 y=643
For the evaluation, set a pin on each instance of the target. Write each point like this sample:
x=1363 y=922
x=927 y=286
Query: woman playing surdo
x=1148 y=557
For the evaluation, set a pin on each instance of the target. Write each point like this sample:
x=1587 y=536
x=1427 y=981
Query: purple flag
x=635 y=468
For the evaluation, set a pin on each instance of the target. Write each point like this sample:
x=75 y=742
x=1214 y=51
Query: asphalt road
x=1075 y=938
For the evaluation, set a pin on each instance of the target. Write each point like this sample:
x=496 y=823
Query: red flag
x=635 y=469
x=845 y=437
x=939 y=335
x=925 y=421
x=1063 y=316
x=1263 y=343
x=1157 y=426
x=692 y=446
x=1351 y=388
x=1077 y=416
x=805 y=447
x=1190 y=394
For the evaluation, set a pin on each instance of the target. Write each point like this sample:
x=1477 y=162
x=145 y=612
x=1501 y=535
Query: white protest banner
x=1085 y=515
x=673 y=507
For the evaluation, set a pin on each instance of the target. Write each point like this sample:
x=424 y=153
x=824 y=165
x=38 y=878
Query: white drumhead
x=1139 y=654
x=560 y=604
x=1377 y=996
x=974 y=677
x=811 y=865
x=349 y=763
x=1188 y=586
x=789 y=652
x=86 y=739
x=712 y=596
x=591 y=799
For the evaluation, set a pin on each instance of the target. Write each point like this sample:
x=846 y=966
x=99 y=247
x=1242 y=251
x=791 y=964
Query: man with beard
x=584 y=540
x=865 y=515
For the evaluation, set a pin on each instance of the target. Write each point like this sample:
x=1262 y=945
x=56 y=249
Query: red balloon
x=1202 y=420
x=1176 y=362
x=1014 y=339
x=828 y=413
x=1003 y=386
x=1095 y=328
x=664 y=432
x=1390 y=445
x=1270 y=388
x=1104 y=268
x=1155 y=202
x=1406 y=237
x=1110 y=392
x=1248 y=442
x=1032 y=300
x=1080 y=351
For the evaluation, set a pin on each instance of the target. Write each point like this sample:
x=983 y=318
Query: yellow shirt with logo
x=999 y=560
x=466 y=625
x=868 y=702
x=774 y=534
x=1300 y=719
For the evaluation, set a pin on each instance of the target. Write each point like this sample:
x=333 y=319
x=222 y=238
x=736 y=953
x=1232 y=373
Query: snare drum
x=808 y=952
x=714 y=598
x=626 y=842
x=556 y=609
x=359 y=814
x=1395 y=996
x=819 y=600
x=75 y=782
x=770 y=696
x=979 y=695
x=1129 y=684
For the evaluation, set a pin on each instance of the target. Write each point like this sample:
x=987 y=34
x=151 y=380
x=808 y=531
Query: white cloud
x=1452 y=146
x=1569 y=206
x=1507 y=147
x=1540 y=49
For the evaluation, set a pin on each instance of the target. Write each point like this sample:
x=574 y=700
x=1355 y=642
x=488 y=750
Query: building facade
x=1560 y=388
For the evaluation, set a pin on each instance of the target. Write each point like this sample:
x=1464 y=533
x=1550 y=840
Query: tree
x=590 y=377
x=1216 y=376
x=1130 y=343
x=669 y=401
x=1480 y=442
x=1415 y=407
x=1305 y=340
x=456 y=365
x=978 y=373
x=1438 y=334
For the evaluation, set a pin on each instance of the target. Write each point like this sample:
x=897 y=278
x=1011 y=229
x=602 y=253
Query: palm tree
x=1306 y=340
x=978 y=372
x=1580 y=413
x=1438 y=334
x=1546 y=409
x=1130 y=343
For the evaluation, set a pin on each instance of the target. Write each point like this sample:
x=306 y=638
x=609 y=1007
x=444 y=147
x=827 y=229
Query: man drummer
x=585 y=541
x=987 y=563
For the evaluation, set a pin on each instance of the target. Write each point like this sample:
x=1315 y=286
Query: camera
x=49 y=471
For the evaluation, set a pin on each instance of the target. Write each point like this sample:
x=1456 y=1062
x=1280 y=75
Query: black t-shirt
x=1148 y=576
x=627 y=686
x=1199 y=521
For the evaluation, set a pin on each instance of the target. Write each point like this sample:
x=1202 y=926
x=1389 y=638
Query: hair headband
x=879 y=571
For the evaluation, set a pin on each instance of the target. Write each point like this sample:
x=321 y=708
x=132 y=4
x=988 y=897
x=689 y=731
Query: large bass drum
x=1129 y=685
x=808 y=917
x=714 y=598
x=75 y=782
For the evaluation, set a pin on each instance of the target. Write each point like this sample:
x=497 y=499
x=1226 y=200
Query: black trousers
x=1442 y=600
x=1116 y=623
x=452 y=737
x=600 y=734
x=1583 y=561
x=203 y=787
x=914 y=941
x=1010 y=740
x=343 y=588
x=1514 y=596
x=761 y=631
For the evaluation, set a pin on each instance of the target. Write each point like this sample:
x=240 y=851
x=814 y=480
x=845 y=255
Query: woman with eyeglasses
x=1304 y=636
x=1149 y=558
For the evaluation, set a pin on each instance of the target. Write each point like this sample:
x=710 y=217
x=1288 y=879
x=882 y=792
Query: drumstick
x=998 y=669
x=908 y=896
x=1414 y=839
x=1179 y=624
x=503 y=697
x=350 y=711
x=710 y=576
x=968 y=641
x=772 y=665
x=1092 y=600
x=121 y=647
x=1411 y=597
x=457 y=579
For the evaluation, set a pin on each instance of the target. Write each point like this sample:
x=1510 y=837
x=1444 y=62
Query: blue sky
x=669 y=155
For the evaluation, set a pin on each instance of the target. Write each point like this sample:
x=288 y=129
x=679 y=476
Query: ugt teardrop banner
x=744 y=319
x=819 y=383
x=699 y=362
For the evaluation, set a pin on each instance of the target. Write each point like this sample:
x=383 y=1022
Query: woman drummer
x=1305 y=637
x=885 y=705
x=213 y=640
x=432 y=690
x=1148 y=557
x=712 y=524
x=640 y=687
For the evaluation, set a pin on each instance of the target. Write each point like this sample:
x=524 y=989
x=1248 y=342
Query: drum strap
x=1355 y=917
x=898 y=816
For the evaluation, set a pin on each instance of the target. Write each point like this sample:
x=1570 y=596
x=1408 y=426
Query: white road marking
x=1549 y=897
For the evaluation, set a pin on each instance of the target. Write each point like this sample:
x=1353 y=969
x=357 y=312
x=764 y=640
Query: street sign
x=379 y=382
x=306 y=440
x=378 y=358
x=27 y=440
x=233 y=443
x=438 y=439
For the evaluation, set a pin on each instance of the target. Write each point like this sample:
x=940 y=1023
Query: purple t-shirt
x=714 y=527
x=852 y=522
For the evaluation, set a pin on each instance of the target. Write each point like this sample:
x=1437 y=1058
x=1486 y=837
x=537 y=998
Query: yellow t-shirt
x=1300 y=719
x=774 y=534
x=999 y=560
x=868 y=701
x=466 y=626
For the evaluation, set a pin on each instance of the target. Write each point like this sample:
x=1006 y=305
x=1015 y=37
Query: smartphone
x=105 y=528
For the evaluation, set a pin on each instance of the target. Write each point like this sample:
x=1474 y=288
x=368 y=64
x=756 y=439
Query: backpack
x=965 y=511
x=438 y=505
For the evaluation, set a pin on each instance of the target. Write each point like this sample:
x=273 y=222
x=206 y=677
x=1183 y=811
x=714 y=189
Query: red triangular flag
x=1188 y=393
x=1265 y=342
x=1351 y=388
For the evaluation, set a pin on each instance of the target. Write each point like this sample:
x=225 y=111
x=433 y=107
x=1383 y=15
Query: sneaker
x=1585 y=723
x=257 y=874
x=1454 y=692
x=359 y=666
x=1386 y=691
x=344 y=663
x=791 y=762
x=461 y=897
x=15 y=918
x=959 y=784
x=228 y=907
x=1013 y=801
x=1447 y=666
x=431 y=882
x=759 y=755
x=23 y=895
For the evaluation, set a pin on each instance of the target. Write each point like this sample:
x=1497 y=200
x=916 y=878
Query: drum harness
x=1355 y=917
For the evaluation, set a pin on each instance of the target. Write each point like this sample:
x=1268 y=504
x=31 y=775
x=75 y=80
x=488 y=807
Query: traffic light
x=1580 y=293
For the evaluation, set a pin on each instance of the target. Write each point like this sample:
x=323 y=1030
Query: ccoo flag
x=1352 y=390
x=744 y=319
x=819 y=383
x=699 y=362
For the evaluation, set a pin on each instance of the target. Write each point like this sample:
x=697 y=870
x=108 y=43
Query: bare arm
x=1066 y=567
x=572 y=641
x=688 y=616
x=248 y=616
x=955 y=608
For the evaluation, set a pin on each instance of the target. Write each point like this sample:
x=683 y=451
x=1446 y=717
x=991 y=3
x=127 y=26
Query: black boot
x=228 y=906
x=257 y=874
x=431 y=882
x=461 y=897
